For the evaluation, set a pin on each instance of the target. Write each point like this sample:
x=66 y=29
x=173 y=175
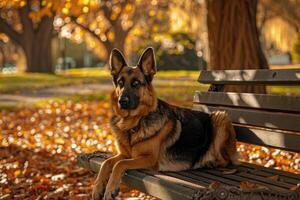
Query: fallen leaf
x=247 y=185
x=58 y=177
x=214 y=185
x=229 y=171
x=6 y=196
x=295 y=187
x=17 y=172
x=274 y=178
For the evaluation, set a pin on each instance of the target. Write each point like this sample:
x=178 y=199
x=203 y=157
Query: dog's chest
x=146 y=128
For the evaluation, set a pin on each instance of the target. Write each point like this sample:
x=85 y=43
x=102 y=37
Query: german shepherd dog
x=152 y=134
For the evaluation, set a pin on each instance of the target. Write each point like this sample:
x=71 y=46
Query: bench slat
x=291 y=176
x=243 y=176
x=168 y=188
x=188 y=184
x=248 y=100
x=275 y=120
x=265 y=174
x=187 y=177
x=267 y=137
x=268 y=77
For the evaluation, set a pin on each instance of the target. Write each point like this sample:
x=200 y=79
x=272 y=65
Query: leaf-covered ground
x=38 y=148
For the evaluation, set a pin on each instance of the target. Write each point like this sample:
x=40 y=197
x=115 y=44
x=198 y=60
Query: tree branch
x=10 y=31
x=26 y=22
x=73 y=19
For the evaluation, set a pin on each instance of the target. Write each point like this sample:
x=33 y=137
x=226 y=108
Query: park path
x=31 y=97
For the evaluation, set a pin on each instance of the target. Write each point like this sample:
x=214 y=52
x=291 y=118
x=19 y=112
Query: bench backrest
x=263 y=119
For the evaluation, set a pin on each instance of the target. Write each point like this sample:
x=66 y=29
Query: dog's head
x=133 y=89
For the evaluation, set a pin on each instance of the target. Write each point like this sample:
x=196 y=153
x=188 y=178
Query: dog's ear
x=147 y=63
x=116 y=62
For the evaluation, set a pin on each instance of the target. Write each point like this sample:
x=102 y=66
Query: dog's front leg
x=144 y=162
x=103 y=176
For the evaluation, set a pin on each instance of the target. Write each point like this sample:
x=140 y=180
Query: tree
x=29 y=23
x=288 y=10
x=112 y=22
x=34 y=38
x=233 y=38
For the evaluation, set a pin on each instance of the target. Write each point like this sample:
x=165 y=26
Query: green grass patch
x=104 y=73
x=183 y=74
x=14 y=83
x=8 y=106
x=20 y=82
x=296 y=66
x=287 y=90
x=87 y=72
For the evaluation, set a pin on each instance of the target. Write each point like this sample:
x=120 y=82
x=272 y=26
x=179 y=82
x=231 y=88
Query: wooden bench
x=269 y=120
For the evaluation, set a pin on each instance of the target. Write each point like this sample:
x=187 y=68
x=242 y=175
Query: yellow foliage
x=111 y=36
x=85 y=9
x=39 y=9
x=128 y=7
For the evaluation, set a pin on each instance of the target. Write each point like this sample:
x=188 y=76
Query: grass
x=20 y=82
x=174 y=86
x=87 y=72
x=296 y=66
x=14 y=83
x=103 y=73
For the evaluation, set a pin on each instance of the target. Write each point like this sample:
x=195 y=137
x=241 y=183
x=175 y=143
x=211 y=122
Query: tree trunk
x=234 y=40
x=3 y=59
x=37 y=47
x=38 y=54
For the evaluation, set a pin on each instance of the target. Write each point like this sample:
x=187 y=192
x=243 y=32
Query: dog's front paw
x=110 y=195
x=98 y=192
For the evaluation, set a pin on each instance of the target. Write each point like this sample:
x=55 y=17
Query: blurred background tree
x=29 y=23
x=278 y=24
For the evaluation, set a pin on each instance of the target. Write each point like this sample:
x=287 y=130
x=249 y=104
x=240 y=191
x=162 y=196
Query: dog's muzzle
x=124 y=102
x=128 y=101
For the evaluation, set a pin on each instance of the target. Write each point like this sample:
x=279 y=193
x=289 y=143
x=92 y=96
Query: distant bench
x=262 y=119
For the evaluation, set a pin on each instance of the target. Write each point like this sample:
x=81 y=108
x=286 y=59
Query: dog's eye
x=121 y=83
x=135 y=84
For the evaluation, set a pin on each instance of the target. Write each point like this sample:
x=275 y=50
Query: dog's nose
x=124 y=102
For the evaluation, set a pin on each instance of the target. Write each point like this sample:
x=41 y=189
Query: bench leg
x=120 y=168
x=103 y=176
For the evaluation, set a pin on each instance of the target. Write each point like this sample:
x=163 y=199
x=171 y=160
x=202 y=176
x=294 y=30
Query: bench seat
x=269 y=120
x=203 y=183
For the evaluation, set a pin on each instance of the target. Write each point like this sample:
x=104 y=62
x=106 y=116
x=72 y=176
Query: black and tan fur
x=151 y=133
